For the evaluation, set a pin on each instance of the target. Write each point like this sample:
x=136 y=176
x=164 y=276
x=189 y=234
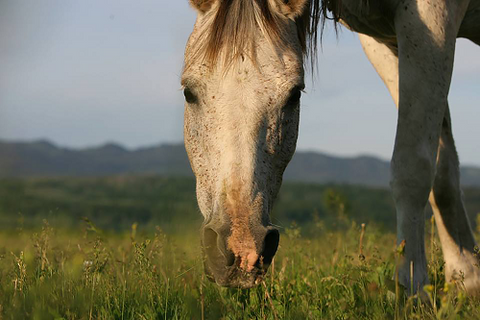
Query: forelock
x=231 y=26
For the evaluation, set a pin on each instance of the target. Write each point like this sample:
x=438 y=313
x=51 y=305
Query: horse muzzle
x=243 y=270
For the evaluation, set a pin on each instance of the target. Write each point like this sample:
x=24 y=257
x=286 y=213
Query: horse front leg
x=426 y=34
x=446 y=198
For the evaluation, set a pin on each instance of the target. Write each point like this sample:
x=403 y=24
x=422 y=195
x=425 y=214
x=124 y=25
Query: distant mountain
x=319 y=167
x=42 y=158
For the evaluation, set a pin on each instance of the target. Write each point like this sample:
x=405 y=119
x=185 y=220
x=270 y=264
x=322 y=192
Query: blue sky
x=83 y=73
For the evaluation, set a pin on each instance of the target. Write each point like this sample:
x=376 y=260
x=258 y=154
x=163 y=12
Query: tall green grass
x=89 y=274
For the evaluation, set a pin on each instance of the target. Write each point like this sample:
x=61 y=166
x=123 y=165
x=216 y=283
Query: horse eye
x=190 y=97
x=294 y=98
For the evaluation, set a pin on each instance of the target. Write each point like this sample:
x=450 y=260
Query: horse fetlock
x=465 y=272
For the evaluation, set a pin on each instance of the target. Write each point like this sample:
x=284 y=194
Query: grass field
x=89 y=274
x=114 y=268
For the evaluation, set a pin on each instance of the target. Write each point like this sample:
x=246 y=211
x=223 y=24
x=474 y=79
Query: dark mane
x=233 y=23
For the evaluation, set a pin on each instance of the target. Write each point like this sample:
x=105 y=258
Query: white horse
x=243 y=78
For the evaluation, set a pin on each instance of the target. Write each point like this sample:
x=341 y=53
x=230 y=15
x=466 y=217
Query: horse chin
x=235 y=277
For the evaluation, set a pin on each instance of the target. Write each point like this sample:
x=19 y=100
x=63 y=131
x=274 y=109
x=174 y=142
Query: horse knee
x=411 y=180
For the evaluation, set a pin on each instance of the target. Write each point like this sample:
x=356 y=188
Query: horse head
x=242 y=80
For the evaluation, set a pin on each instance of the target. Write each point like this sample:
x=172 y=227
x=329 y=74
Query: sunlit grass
x=92 y=275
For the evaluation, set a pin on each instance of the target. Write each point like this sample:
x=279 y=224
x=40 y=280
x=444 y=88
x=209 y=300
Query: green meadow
x=129 y=248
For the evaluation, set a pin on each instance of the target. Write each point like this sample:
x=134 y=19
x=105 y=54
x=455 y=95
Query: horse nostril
x=210 y=245
x=230 y=258
x=215 y=249
x=228 y=254
x=270 y=246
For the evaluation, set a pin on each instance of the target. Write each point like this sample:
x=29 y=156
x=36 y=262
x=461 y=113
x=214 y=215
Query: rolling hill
x=45 y=159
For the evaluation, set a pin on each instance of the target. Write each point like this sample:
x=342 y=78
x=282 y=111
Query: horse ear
x=202 y=5
x=292 y=8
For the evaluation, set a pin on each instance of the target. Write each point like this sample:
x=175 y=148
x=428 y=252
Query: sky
x=83 y=73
